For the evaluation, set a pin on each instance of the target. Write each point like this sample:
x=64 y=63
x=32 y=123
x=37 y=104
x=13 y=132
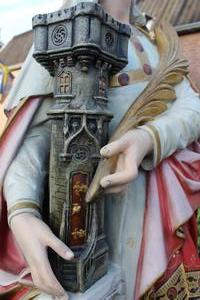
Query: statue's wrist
x=153 y=157
x=23 y=207
x=145 y=140
x=25 y=216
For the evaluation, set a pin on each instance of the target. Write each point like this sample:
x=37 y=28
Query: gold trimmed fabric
x=16 y=110
x=23 y=205
x=180 y=232
x=157 y=139
x=5 y=79
x=33 y=294
x=142 y=55
x=148 y=31
x=152 y=160
x=133 y=75
x=181 y=285
x=193 y=281
x=10 y=292
x=174 y=288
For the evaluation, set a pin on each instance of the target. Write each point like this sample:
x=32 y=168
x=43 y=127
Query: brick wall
x=191 y=50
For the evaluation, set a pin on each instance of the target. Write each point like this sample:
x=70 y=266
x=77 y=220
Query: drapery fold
x=173 y=196
x=12 y=262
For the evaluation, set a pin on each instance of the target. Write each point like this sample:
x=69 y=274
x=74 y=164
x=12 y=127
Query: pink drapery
x=11 y=258
x=173 y=196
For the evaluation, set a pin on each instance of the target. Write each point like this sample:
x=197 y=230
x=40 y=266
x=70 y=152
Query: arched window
x=65 y=81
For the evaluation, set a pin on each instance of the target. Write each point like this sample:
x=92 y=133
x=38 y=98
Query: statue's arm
x=25 y=179
x=177 y=127
x=24 y=193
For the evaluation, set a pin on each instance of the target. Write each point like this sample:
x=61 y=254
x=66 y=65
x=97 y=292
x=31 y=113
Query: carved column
x=81 y=47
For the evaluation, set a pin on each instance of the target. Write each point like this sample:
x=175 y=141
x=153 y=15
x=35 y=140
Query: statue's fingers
x=114 y=148
x=44 y=278
x=59 y=247
x=119 y=168
x=120 y=163
x=119 y=178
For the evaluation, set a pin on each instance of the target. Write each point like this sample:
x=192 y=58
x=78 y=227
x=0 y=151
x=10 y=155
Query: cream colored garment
x=33 y=79
x=178 y=126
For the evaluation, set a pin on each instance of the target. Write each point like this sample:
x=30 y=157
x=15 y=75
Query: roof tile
x=177 y=12
x=16 y=50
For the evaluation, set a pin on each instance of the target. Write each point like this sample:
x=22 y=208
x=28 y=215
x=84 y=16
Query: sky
x=16 y=15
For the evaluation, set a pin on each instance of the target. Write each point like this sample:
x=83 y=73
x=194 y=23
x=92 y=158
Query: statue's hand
x=131 y=150
x=33 y=237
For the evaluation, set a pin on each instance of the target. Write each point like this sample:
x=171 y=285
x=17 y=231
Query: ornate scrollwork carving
x=80 y=153
x=109 y=39
x=59 y=35
x=75 y=125
x=92 y=126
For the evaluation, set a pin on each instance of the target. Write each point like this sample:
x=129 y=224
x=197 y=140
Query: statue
x=151 y=195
